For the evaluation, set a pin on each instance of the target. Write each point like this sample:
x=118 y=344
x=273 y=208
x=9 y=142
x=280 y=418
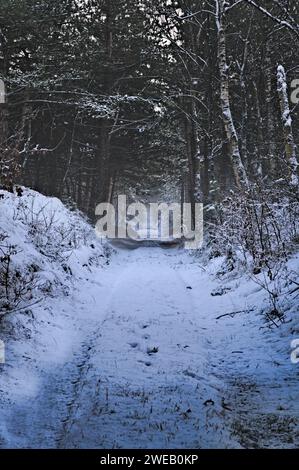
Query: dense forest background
x=187 y=98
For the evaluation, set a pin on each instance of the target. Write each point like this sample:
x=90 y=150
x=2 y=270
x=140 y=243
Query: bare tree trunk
x=260 y=167
x=3 y=125
x=101 y=176
x=290 y=146
x=206 y=170
x=190 y=157
x=194 y=181
x=111 y=187
x=101 y=179
x=3 y=107
x=230 y=130
x=244 y=124
x=3 y=140
x=272 y=158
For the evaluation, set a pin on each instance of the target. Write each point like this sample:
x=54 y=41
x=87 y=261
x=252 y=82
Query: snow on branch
x=292 y=27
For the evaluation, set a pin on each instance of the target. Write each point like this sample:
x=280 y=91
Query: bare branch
x=294 y=28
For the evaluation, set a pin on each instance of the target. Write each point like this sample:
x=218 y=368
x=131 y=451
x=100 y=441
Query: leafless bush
x=53 y=238
x=260 y=229
x=16 y=285
x=260 y=225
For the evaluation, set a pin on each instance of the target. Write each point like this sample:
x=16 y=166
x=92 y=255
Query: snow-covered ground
x=136 y=356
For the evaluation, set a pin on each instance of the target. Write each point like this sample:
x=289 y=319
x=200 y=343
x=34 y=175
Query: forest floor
x=135 y=357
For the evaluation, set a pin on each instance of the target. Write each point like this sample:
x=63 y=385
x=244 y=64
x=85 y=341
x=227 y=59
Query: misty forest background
x=181 y=99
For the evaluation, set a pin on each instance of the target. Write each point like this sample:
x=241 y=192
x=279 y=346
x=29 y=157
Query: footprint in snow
x=151 y=351
x=146 y=363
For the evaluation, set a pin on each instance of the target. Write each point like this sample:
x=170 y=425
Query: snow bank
x=44 y=247
x=52 y=254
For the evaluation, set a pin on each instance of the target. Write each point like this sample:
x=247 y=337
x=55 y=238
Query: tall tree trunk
x=3 y=106
x=244 y=143
x=101 y=179
x=194 y=164
x=3 y=141
x=230 y=129
x=3 y=119
x=290 y=146
x=259 y=163
x=206 y=170
x=271 y=162
x=191 y=167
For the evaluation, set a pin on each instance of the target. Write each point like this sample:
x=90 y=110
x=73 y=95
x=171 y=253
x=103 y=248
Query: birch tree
x=290 y=146
x=228 y=121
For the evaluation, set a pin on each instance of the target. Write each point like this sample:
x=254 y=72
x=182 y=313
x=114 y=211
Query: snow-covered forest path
x=150 y=366
x=145 y=383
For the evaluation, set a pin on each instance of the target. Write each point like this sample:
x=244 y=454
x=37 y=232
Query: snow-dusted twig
x=294 y=28
x=232 y=314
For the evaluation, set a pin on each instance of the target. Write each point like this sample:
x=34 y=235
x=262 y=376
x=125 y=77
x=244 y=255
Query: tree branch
x=293 y=28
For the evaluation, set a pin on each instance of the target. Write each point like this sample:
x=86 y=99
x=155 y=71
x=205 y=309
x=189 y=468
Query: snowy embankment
x=150 y=351
x=48 y=255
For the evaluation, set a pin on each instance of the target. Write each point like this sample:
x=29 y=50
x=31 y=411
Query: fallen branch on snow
x=232 y=314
